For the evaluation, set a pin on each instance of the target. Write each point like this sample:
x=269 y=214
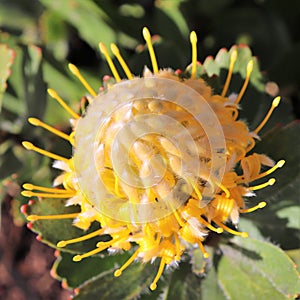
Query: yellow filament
x=117 y=189
x=30 y=146
x=72 y=138
x=116 y=52
x=178 y=218
x=209 y=226
x=242 y=234
x=37 y=122
x=121 y=235
x=147 y=37
x=111 y=65
x=193 y=40
x=52 y=217
x=100 y=247
x=234 y=112
x=251 y=145
x=198 y=193
x=275 y=103
x=47 y=195
x=271 y=170
x=80 y=239
x=153 y=285
x=158 y=238
x=233 y=58
x=127 y=263
x=176 y=215
x=246 y=82
x=225 y=190
x=67 y=108
x=201 y=247
x=87 y=254
x=251 y=209
x=77 y=73
x=30 y=187
x=263 y=185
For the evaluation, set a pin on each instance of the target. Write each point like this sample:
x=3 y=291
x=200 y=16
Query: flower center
x=154 y=142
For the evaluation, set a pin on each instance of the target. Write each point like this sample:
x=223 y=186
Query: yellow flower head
x=155 y=161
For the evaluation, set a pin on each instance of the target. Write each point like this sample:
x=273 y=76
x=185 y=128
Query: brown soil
x=25 y=263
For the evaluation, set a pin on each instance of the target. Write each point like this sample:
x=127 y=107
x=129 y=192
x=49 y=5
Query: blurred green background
x=47 y=34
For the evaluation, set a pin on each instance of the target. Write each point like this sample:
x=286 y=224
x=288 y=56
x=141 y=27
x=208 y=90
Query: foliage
x=48 y=34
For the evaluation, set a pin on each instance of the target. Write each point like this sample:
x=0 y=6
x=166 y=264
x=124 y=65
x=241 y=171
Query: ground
x=25 y=263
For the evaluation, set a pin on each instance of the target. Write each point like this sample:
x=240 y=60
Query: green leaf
x=183 y=284
x=7 y=56
x=19 y=17
x=295 y=256
x=55 y=34
x=35 y=168
x=53 y=231
x=34 y=85
x=133 y=281
x=13 y=100
x=254 y=269
x=221 y=63
x=210 y=286
x=281 y=216
x=255 y=102
x=88 y=18
x=67 y=86
x=247 y=225
x=26 y=95
x=172 y=9
x=85 y=269
x=292 y=214
x=276 y=229
x=282 y=143
x=9 y=163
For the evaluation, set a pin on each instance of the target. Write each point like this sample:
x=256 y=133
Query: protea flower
x=159 y=161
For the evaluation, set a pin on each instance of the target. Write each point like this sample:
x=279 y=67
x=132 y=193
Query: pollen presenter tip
x=73 y=69
x=234 y=56
x=61 y=244
x=34 y=121
x=244 y=234
x=117 y=273
x=102 y=48
x=146 y=34
x=32 y=218
x=281 y=163
x=52 y=93
x=77 y=258
x=262 y=204
x=276 y=101
x=28 y=186
x=26 y=193
x=193 y=37
x=114 y=49
x=27 y=145
x=271 y=181
x=250 y=66
x=219 y=230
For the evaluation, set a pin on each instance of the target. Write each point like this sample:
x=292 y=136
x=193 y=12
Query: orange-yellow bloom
x=155 y=161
